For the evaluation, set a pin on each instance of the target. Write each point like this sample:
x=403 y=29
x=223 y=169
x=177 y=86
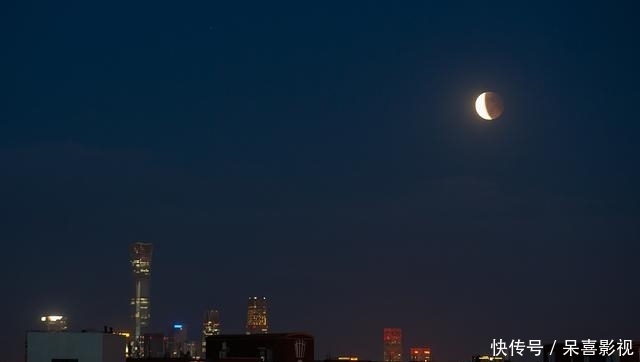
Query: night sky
x=328 y=156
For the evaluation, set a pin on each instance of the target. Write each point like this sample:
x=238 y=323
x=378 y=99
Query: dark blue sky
x=326 y=155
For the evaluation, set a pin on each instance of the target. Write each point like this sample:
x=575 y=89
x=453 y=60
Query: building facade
x=392 y=343
x=141 y=254
x=192 y=349
x=74 y=346
x=273 y=347
x=154 y=345
x=420 y=354
x=257 y=316
x=211 y=327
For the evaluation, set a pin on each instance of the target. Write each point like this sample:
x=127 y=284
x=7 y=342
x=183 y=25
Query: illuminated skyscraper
x=257 y=316
x=54 y=323
x=420 y=354
x=211 y=327
x=392 y=345
x=141 y=264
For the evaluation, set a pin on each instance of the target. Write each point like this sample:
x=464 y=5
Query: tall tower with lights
x=392 y=340
x=257 y=316
x=141 y=263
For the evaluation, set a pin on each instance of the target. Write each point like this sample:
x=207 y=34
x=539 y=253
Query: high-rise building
x=392 y=345
x=141 y=263
x=420 y=354
x=54 y=322
x=176 y=344
x=257 y=316
x=211 y=327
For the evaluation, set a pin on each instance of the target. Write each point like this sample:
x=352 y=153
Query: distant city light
x=177 y=326
x=54 y=322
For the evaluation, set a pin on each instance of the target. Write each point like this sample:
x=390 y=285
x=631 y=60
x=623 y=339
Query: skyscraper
x=257 y=316
x=141 y=264
x=211 y=327
x=392 y=345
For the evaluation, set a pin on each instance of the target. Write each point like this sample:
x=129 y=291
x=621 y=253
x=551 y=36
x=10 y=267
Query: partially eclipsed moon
x=489 y=106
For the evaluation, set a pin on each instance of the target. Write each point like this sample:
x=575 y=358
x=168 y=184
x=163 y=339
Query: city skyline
x=331 y=156
x=140 y=258
x=177 y=340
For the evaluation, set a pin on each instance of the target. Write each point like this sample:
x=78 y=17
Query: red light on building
x=420 y=354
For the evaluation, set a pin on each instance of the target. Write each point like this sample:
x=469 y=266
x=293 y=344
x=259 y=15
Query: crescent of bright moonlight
x=489 y=106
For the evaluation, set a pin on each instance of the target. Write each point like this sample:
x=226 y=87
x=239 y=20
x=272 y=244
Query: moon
x=489 y=106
